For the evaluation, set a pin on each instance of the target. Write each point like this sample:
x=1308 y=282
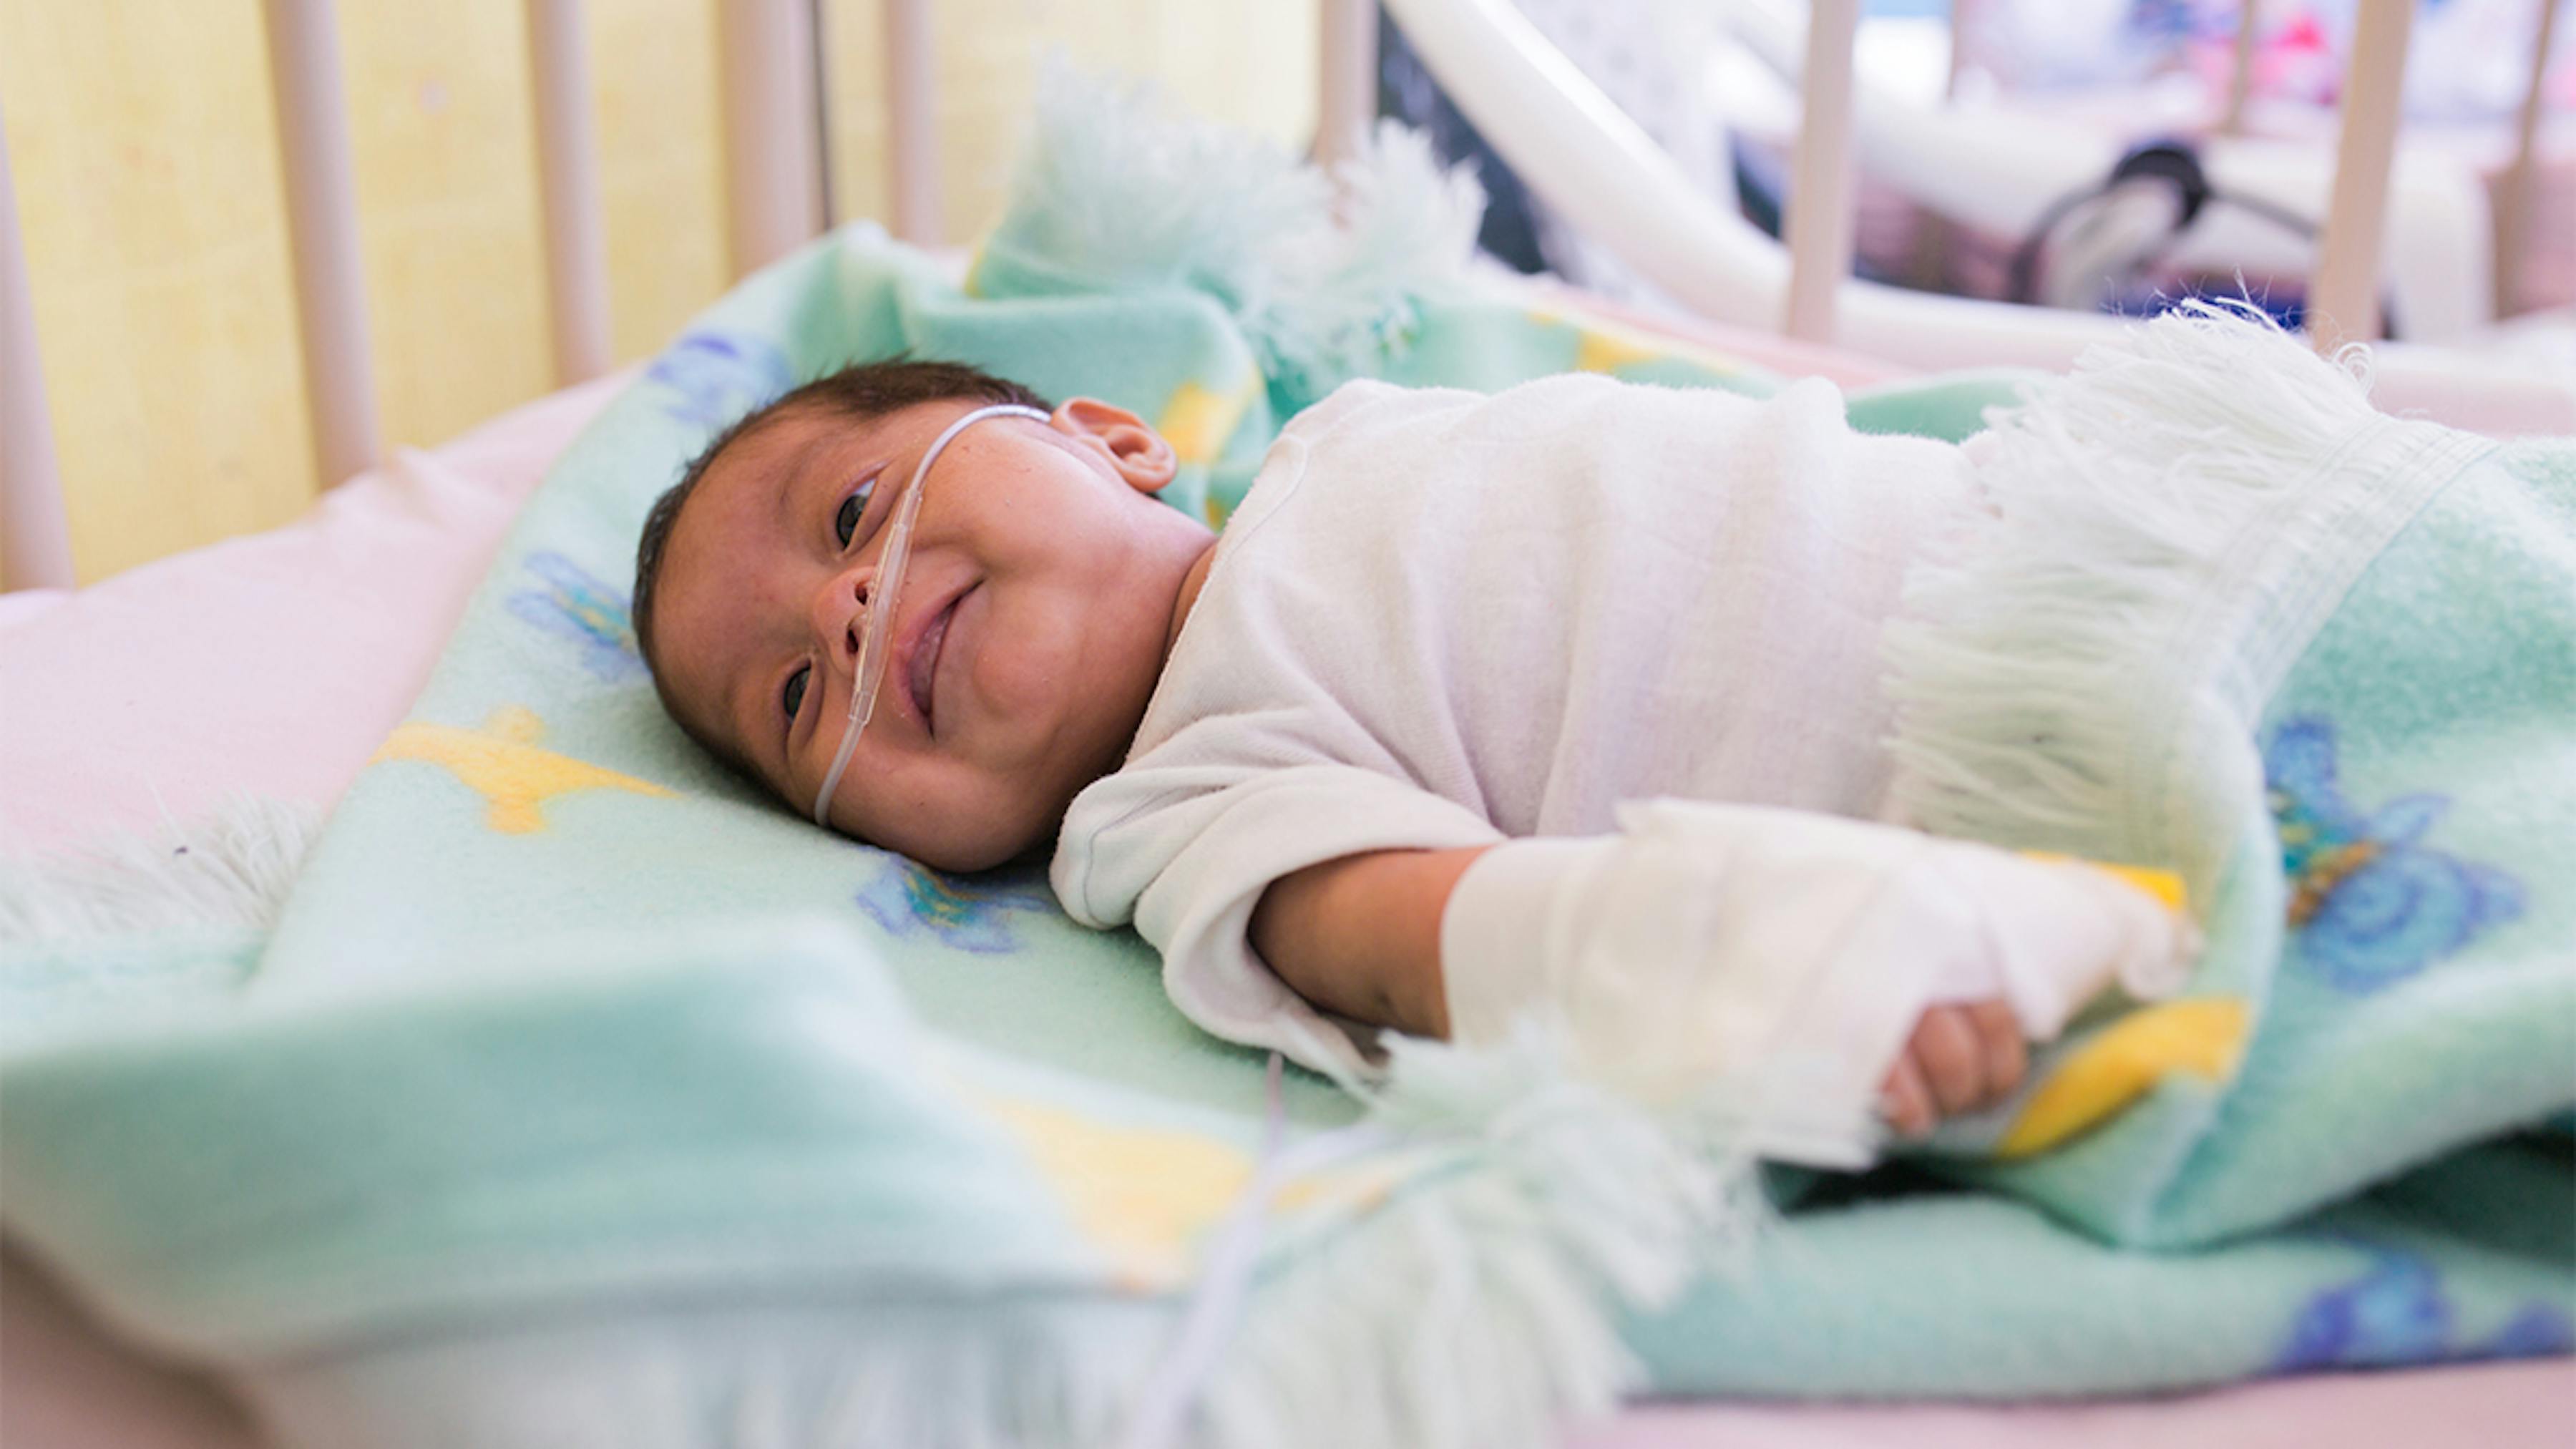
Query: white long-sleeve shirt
x=1442 y=619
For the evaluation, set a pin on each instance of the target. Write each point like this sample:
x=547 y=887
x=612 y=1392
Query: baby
x=1367 y=759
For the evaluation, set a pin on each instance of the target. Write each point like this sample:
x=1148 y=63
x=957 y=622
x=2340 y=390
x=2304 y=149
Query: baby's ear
x=1133 y=450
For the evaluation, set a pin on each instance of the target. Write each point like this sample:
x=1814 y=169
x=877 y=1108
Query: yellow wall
x=144 y=149
x=1250 y=62
x=147 y=194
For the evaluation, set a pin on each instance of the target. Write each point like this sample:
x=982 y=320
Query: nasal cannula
x=884 y=593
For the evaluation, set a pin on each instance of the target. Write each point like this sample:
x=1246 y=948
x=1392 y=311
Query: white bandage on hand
x=2057 y=932
x=1780 y=957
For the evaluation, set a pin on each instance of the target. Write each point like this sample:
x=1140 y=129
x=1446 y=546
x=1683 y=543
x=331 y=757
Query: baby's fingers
x=1905 y=1099
x=2007 y=1058
x=1949 y=1048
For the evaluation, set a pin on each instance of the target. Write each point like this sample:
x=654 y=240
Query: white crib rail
x=773 y=144
x=1573 y=146
x=1583 y=155
x=1567 y=140
x=35 y=540
x=1345 y=77
x=912 y=146
x=322 y=232
x=2343 y=301
x=774 y=203
x=1821 y=230
x=2514 y=195
x=568 y=183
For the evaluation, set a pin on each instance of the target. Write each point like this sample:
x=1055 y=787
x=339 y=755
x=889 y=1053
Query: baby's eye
x=795 y=693
x=846 y=523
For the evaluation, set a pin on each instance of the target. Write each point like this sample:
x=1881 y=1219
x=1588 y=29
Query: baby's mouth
x=925 y=666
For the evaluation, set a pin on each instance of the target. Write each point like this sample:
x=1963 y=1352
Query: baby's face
x=1033 y=618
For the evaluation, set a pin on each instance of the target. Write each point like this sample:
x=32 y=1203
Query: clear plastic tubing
x=886 y=593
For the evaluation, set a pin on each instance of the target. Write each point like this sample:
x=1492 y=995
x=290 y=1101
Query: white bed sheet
x=274 y=664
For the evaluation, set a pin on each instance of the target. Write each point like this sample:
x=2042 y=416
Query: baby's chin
x=1026 y=835
x=1017 y=781
x=1029 y=847
x=973 y=860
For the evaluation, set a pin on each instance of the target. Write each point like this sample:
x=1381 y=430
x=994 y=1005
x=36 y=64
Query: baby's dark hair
x=858 y=392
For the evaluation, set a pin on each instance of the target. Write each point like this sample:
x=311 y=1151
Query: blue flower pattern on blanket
x=716 y=377
x=2371 y=905
x=2396 y=1312
x=970 y=913
x=569 y=601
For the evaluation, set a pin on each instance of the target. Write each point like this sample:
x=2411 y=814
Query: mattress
x=274 y=664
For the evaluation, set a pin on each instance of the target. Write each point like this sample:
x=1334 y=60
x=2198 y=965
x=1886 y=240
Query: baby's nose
x=840 y=612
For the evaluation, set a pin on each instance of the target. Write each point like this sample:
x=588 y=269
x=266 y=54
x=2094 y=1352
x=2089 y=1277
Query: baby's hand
x=1962 y=1058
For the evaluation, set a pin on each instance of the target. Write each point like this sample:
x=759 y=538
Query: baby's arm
x=1360 y=937
x=1704 y=940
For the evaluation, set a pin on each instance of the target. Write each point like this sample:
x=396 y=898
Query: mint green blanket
x=560 y=1020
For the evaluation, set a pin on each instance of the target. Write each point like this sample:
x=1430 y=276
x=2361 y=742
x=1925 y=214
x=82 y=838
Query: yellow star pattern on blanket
x=1596 y=350
x=1140 y=1194
x=2204 y=1036
x=501 y=762
x=1145 y=1195
x=2164 y=885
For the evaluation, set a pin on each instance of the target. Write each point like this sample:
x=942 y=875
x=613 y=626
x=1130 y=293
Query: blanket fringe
x=2039 y=669
x=1479 y=1308
x=232 y=869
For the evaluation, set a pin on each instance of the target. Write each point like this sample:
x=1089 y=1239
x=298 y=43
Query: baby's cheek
x=1022 y=665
